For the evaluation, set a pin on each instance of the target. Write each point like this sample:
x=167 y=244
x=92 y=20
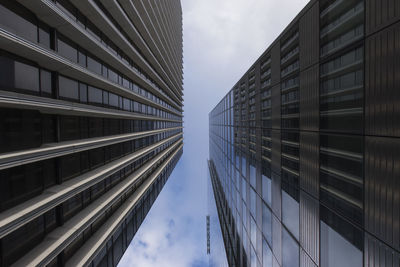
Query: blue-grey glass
x=244 y=214
x=267 y=255
x=267 y=223
x=253 y=176
x=243 y=166
x=95 y=95
x=253 y=257
x=266 y=189
x=336 y=251
x=290 y=250
x=244 y=189
x=253 y=232
x=290 y=213
x=253 y=201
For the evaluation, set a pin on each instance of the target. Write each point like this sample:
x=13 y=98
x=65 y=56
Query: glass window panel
x=267 y=255
x=82 y=58
x=253 y=201
x=95 y=95
x=44 y=36
x=253 y=176
x=253 y=232
x=290 y=250
x=267 y=223
x=266 y=189
x=336 y=251
x=45 y=81
x=93 y=65
x=67 y=49
x=290 y=213
x=244 y=189
x=83 y=94
x=26 y=77
x=68 y=88
x=13 y=19
x=113 y=101
x=243 y=166
x=112 y=76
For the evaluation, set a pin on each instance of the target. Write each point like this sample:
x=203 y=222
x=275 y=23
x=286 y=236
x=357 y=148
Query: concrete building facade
x=91 y=101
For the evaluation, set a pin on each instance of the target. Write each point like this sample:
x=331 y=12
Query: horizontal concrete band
x=124 y=21
x=48 y=151
x=61 y=107
x=13 y=218
x=62 y=236
x=55 y=62
x=53 y=15
x=93 y=246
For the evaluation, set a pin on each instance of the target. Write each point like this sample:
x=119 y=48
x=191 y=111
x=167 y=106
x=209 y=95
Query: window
x=82 y=58
x=23 y=240
x=26 y=77
x=21 y=183
x=266 y=189
x=68 y=88
x=267 y=223
x=93 y=65
x=113 y=100
x=18 y=20
x=290 y=250
x=19 y=129
x=70 y=166
x=267 y=255
x=67 y=49
x=45 y=82
x=83 y=93
x=341 y=242
x=95 y=95
x=290 y=213
x=253 y=202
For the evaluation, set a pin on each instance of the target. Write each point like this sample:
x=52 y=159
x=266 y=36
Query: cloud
x=222 y=38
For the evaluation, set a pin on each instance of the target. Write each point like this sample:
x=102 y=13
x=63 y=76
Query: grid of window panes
x=90 y=130
x=341 y=123
x=323 y=197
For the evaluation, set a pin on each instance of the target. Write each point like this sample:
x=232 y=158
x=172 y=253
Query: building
x=304 y=148
x=215 y=236
x=90 y=125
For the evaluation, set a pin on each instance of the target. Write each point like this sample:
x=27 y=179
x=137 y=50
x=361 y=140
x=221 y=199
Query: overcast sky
x=222 y=39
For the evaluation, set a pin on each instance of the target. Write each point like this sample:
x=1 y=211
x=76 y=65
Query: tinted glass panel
x=290 y=250
x=68 y=88
x=67 y=49
x=26 y=77
x=15 y=20
x=93 y=65
x=95 y=95
x=45 y=81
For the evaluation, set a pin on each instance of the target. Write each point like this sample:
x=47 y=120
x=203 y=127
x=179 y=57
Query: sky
x=221 y=39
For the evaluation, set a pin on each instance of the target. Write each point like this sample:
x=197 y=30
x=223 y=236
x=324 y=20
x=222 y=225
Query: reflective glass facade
x=90 y=125
x=304 y=147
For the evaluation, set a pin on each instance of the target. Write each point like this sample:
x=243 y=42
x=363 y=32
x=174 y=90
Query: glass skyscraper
x=91 y=100
x=304 y=149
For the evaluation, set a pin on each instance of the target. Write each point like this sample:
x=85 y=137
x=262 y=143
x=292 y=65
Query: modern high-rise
x=91 y=101
x=305 y=148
